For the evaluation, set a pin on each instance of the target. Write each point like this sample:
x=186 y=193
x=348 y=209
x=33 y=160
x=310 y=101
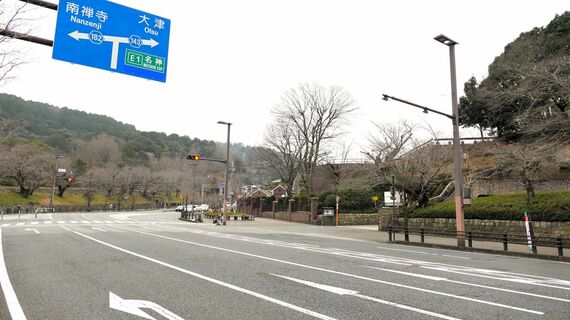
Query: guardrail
x=560 y=243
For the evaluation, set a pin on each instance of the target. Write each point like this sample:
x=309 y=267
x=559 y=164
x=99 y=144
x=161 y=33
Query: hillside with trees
x=102 y=155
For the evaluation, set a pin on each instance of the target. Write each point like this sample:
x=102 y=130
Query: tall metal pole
x=193 y=179
x=226 y=174
x=53 y=184
x=457 y=154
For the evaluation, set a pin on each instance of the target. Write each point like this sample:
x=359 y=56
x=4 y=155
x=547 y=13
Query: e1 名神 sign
x=113 y=37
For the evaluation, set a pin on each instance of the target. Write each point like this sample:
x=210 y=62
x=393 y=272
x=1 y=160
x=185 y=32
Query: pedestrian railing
x=533 y=242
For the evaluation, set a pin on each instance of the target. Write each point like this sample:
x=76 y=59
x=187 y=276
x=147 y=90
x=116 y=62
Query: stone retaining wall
x=297 y=216
x=357 y=218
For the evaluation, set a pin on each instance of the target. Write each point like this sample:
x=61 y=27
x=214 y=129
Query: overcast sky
x=232 y=60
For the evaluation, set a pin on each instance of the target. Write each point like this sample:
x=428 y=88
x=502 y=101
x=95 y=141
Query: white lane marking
x=218 y=282
x=335 y=272
x=452 y=256
x=97 y=221
x=98 y=229
x=35 y=222
x=60 y=222
x=73 y=221
x=409 y=274
x=506 y=276
x=20 y=224
x=85 y=221
x=471 y=284
x=342 y=292
x=120 y=221
x=5 y=224
x=403 y=250
x=135 y=306
x=48 y=222
x=517 y=280
x=107 y=221
x=14 y=306
x=34 y=230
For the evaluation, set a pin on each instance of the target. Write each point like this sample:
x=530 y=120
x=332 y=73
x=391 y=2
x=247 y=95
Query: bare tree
x=90 y=186
x=11 y=19
x=108 y=180
x=100 y=152
x=281 y=153
x=528 y=161
x=73 y=175
x=417 y=164
x=316 y=115
x=29 y=165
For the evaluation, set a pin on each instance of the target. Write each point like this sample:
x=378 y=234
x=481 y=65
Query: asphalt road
x=152 y=266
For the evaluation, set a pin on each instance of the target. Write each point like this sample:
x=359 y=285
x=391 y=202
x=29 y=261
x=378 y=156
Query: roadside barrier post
x=505 y=245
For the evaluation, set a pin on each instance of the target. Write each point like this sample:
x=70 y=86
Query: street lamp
x=459 y=217
x=53 y=184
x=226 y=174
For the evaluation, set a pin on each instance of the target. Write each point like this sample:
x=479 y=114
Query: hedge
x=547 y=206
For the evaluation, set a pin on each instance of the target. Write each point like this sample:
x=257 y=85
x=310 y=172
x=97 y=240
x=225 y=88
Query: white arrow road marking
x=98 y=229
x=135 y=306
x=343 y=292
x=116 y=302
x=34 y=230
x=14 y=306
x=206 y=278
x=115 y=40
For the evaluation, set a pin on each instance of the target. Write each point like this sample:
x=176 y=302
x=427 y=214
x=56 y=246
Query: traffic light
x=193 y=157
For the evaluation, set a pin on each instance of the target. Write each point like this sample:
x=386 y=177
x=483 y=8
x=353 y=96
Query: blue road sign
x=105 y=35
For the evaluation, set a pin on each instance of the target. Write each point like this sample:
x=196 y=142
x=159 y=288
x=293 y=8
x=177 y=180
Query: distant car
x=203 y=207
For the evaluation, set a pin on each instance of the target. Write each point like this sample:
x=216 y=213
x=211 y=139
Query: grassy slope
x=70 y=198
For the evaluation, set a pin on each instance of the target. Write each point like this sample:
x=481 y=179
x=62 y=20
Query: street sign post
x=113 y=37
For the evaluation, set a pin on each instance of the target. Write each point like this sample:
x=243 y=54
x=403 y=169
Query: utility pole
x=226 y=175
x=53 y=184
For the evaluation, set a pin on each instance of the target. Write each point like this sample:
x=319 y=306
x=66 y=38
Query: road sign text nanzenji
x=109 y=36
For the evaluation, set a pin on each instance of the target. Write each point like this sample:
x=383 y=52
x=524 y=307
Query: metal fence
x=534 y=242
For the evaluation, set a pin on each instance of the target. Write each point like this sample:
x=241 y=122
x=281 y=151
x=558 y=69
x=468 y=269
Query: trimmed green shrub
x=546 y=206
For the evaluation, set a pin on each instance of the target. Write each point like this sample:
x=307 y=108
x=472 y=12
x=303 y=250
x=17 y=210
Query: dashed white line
x=452 y=256
x=404 y=250
x=34 y=223
x=47 y=222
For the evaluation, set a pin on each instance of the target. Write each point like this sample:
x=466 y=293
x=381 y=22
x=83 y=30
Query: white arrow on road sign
x=134 y=307
x=353 y=293
x=115 y=40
